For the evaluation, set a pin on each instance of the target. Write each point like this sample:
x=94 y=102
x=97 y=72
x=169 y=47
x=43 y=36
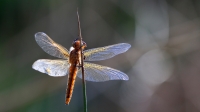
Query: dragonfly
x=70 y=61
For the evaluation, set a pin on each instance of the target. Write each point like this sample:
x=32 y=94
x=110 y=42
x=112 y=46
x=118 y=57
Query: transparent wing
x=54 y=68
x=106 y=52
x=51 y=47
x=98 y=73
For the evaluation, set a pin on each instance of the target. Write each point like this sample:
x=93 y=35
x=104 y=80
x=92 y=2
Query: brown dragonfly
x=70 y=62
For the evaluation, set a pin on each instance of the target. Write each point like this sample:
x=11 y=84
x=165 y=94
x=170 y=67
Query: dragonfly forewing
x=98 y=73
x=106 y=52
x=54 y=68
x=51 y=47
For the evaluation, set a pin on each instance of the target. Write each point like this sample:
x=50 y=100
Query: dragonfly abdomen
x=71 y=81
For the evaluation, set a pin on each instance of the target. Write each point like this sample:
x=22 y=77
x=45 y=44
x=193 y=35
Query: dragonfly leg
x=79 y=64
x=83 y=57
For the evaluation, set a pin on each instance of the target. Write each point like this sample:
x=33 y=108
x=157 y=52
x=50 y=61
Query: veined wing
x=51 y=47
x=54 y=68
x=106 y=52
x=98 y=73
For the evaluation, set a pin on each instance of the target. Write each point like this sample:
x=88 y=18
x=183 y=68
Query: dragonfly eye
x=84 y=44
x=76 y=43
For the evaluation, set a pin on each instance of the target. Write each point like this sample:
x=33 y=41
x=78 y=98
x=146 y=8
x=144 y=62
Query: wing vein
x=51 y=47
x=98 y=73
x=106 y=52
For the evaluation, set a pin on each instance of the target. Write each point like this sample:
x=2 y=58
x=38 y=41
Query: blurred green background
x=163 y=63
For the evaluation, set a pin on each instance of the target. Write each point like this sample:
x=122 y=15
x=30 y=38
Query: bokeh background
x=163 y=63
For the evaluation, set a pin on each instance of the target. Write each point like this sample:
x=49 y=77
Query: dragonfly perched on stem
x=70 y=61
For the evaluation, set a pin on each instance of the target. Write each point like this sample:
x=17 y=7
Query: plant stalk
x=82 y=67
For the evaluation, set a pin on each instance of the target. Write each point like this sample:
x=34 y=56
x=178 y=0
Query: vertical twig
x=82 y=67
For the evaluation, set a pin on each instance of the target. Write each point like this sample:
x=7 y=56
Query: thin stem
x=82 y=67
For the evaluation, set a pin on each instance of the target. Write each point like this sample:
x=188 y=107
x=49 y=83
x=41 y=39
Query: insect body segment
x=75 y=61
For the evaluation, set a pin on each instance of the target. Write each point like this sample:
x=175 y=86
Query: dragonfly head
x=77 y=44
